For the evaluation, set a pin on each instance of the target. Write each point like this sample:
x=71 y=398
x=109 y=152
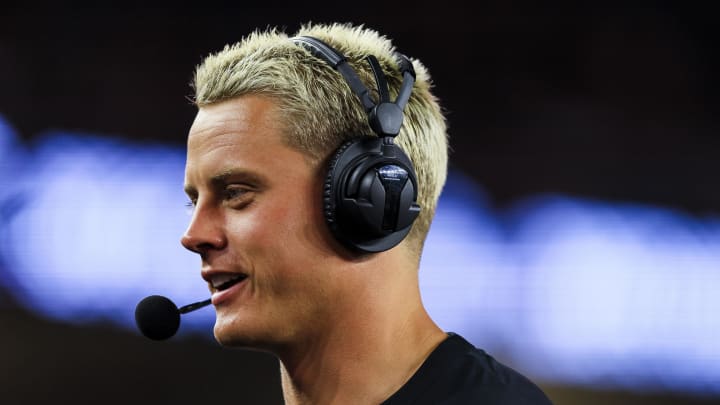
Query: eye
x=238 y=196
x=234 y=191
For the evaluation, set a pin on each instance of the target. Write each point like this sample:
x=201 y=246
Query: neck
x=380 y=336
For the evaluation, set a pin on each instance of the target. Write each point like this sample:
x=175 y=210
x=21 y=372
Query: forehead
x=241 y=133
x=242 y=116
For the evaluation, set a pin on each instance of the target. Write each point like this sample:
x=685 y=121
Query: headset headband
x=390 y=126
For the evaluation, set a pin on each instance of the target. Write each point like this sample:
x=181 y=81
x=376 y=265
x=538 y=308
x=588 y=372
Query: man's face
x=257 y=226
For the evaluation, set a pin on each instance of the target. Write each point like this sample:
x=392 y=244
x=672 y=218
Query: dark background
x=587 y=99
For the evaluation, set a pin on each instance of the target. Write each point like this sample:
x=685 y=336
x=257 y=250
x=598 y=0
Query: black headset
x=370 y=192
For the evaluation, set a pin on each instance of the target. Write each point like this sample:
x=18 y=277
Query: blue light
x=100 y=230
x=629 y=289
x=567 y=290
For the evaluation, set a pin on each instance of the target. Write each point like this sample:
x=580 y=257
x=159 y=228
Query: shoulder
x=459 y=373
x=477 y=377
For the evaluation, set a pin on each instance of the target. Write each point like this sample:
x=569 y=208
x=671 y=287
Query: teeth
x=220 y=279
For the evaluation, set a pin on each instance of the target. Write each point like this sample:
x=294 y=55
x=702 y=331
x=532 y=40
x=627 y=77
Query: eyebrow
x=220 y=179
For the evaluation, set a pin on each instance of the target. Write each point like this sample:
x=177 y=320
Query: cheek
x=295 y=218
x=274 y=225
x=278 y=242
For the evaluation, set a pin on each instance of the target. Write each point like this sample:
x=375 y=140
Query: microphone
x=158 y=318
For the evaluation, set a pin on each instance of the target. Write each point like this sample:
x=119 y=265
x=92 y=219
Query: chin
x=222 y=338
x=241 y=335
x=228 y=335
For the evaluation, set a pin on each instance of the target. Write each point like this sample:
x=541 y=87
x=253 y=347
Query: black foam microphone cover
x=157 y=317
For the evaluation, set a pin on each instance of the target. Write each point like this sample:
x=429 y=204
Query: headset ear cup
x=370 y=207
x=408 y=209
x=329 y=206
x=369 y=195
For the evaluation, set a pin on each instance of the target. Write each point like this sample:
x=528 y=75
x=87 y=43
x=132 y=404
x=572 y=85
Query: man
x=323 y=277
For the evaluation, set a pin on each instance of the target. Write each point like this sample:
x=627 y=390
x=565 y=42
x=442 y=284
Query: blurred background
x=577 y=240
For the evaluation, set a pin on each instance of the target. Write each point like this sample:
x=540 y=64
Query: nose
x=205 y=233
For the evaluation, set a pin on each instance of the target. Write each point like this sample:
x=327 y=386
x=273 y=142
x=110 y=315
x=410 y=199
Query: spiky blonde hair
x=319 y=109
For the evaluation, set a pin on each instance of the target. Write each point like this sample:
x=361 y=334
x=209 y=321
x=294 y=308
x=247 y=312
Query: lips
x=224 y=285
x=223 y=281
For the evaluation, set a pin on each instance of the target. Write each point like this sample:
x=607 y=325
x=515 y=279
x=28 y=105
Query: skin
x=347 y=329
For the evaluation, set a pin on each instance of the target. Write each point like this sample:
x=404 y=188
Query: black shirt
x=457 y=372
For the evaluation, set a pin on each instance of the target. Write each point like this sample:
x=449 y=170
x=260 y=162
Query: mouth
x=221 y=282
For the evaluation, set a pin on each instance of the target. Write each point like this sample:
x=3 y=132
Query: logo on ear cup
x=370 y=195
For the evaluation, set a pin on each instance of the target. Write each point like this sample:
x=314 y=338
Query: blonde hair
x=319 y=109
